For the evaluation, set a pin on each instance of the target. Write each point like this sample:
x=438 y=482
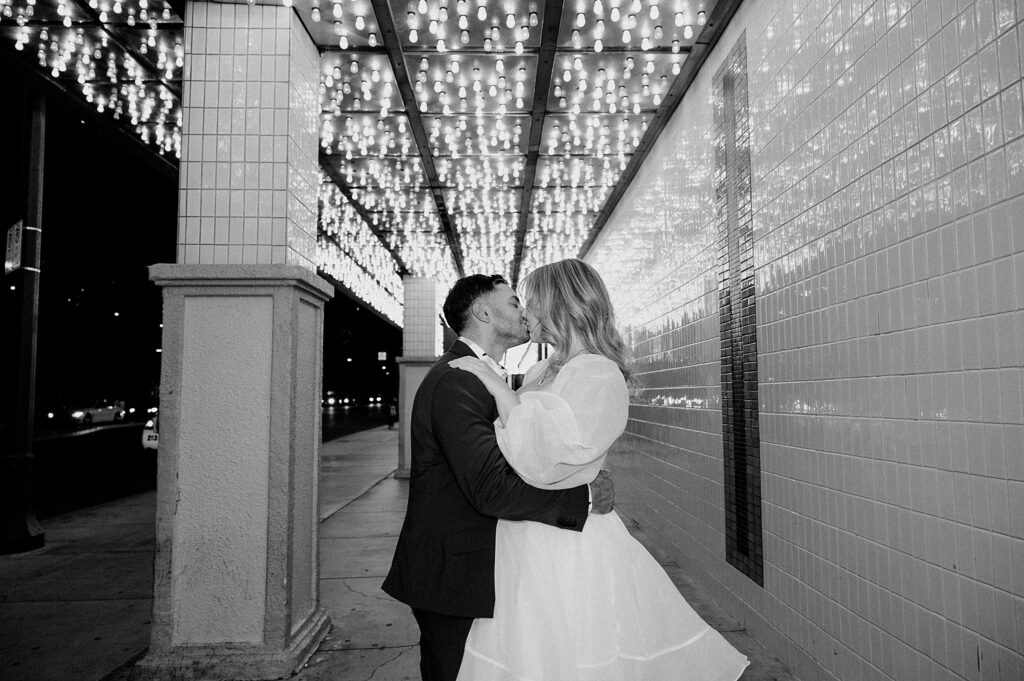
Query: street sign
x=12 y=261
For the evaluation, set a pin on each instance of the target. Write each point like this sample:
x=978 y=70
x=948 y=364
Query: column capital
x=171 y=275
x=416 y=360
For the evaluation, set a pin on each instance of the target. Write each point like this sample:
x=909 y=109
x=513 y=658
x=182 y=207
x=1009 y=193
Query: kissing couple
x=513 y=562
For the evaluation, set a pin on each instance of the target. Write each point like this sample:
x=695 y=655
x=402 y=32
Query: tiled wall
x=249 y=151
x=888 y=192
x=421 y=327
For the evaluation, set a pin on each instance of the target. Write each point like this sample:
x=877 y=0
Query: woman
x=594 y=605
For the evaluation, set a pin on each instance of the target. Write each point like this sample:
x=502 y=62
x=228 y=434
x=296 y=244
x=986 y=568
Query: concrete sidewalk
x=78 y=609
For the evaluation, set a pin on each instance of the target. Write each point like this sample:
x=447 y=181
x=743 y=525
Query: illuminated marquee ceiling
x=123 y=57
x=497 y=134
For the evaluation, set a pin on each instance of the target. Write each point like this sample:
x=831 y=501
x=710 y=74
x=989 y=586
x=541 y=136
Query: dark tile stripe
x=740 y=434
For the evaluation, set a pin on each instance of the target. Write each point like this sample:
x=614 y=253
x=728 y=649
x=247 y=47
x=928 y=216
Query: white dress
x=591 y=605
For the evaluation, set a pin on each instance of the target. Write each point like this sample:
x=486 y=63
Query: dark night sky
x=107 y=216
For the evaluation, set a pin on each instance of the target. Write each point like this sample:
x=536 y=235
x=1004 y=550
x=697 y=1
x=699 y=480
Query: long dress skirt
x=589 y=606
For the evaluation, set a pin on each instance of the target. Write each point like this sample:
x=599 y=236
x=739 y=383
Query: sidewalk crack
x=348 y=586
x=388 y=661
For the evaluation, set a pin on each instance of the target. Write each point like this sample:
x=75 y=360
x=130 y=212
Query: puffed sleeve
x=558 y=439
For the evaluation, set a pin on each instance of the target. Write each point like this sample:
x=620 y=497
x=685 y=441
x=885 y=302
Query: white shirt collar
x=490 y=361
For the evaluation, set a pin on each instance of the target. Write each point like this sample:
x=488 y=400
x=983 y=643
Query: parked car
x=101 y=411
x=151 y=433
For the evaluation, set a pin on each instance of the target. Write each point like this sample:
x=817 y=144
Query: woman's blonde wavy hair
x=571 y=301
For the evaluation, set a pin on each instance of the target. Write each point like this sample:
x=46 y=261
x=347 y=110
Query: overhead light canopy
x=456 y=136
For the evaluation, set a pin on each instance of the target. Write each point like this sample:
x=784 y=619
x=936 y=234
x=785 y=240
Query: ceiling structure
x=456 y=136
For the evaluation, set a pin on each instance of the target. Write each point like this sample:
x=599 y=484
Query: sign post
x=19 y=529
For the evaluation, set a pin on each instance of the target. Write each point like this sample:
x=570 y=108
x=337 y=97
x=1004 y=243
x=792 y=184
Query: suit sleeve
x=465 y=432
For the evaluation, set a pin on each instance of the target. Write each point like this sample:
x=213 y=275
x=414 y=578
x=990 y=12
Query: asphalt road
x=101 y=463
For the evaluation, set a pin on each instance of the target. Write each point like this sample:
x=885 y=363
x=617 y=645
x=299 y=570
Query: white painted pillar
x=236 y=570
x=421 y=346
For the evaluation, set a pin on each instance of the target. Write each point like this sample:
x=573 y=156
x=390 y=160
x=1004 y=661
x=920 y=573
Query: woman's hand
x=494 y=383
x=505 y=398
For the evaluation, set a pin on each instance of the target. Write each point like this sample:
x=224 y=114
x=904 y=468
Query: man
x=460 y=484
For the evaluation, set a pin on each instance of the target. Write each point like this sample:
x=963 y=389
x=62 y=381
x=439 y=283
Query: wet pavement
x=79 y=608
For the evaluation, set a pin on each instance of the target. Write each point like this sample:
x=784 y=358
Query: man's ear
x=481 y=311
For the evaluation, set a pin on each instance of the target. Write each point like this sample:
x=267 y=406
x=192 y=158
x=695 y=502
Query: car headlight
x=78 y=414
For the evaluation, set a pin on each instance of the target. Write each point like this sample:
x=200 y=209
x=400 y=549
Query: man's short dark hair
x=464 y=293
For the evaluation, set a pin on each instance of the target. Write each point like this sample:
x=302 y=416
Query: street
x=106 y=462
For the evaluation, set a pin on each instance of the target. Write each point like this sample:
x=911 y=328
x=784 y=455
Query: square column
x=236 y=571
x=249 y=169
x=421 y=346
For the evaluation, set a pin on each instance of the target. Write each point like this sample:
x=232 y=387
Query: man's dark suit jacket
x=459 y=485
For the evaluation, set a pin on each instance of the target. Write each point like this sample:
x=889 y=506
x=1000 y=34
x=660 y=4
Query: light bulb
x=701 y=18
x=422 y=7
x=413 y=35
x=654 y=12
x=315 y=14
x=360 y=23
x=659 y=33
x=598 y=45
x=687 y=32
x=481 y=13
x=598 y=7
x=581 y=20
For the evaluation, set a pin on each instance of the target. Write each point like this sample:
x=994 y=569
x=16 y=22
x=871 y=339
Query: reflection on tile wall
x=887 y=162
x=248 y=187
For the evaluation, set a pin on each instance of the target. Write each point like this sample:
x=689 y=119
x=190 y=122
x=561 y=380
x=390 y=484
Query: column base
x=20 y=530
x=234 y=662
